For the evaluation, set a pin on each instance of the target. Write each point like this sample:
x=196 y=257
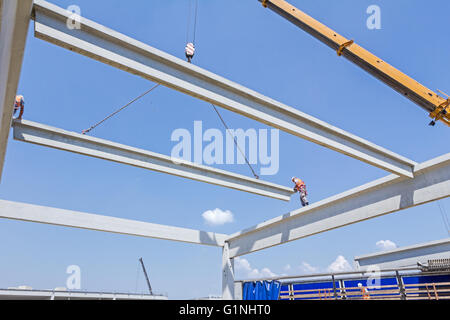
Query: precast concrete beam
x=406 y=256
x=380 y=197
x=75 y=219
x=113 y=48
x=48 y=136
x=14 y=21
x=30 y=294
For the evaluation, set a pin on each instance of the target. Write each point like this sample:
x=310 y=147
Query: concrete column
x=238 y=294
x=227 y=274
x=14 y=20
x=401 y=286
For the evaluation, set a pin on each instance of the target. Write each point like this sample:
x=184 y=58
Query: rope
x=444 y=217
x=217 y=111
x=188 y=27
x=117 y=111
x=442 y=211
x=235 y=142
x=195 y=20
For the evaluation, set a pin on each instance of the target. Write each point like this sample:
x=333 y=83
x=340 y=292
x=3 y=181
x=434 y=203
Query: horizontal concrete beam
x=74 y=219
x=383 y=196
x=14 y=21
x=105 y=45
x=20 y=294
x=407 y=256
x=40 y=134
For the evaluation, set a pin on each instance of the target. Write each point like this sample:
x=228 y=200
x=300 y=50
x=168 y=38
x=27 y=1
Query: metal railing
x=341 y=286
x=416 y=291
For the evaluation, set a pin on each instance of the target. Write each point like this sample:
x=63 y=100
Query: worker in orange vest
x=19 y=103
x=300 y=186
x=364 y=291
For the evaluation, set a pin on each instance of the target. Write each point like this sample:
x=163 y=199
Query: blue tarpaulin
x=261 y=290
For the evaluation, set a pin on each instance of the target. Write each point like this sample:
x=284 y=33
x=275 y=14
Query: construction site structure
x=407 y=184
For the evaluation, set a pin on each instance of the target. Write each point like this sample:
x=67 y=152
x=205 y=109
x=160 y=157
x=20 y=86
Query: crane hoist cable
x=441 y=209
x=195 y=20
x=188 y=29
x=444 y=218
x=190 y=46
x=118 y=110
x=190 y=51
x=235 y=142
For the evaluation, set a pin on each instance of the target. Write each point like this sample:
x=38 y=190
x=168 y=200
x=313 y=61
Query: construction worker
x=300 y=186
x=364 y=291
x=19 y=103
x=190 y=51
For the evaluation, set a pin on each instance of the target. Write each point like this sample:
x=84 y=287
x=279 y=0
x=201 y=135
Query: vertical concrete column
x=238 y=294
x=227 y=274
x=334 y=287
x=14 y=20
x=401 y=286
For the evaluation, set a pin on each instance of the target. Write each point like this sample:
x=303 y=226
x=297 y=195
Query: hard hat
x=293 y=178
x=359 y=284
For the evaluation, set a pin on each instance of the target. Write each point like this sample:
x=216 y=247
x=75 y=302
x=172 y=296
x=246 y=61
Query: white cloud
x=241 y=264
x=307 y=268
x=217 y=217
x=386 y=245
x=265 y=272
x=339 y=265
x=244 y=266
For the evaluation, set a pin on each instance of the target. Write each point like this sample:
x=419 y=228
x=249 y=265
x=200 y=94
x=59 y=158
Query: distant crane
x=146 y=276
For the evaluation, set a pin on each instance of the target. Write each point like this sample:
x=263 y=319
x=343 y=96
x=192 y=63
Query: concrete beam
x=380 y=197
x=105 y=45
x=21 y=294
x=406 y=256
x=14 y=21
x=74 y=219
x=40 y=134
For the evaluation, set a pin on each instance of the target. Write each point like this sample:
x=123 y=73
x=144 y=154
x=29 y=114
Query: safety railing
x=428 y=291
x=408 y=283
x=416 y=291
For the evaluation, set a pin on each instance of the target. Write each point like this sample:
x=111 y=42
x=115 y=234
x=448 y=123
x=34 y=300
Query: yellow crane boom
x=437 y=106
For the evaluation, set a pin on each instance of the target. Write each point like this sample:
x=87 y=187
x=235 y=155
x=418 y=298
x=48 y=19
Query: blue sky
x=245 y=43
